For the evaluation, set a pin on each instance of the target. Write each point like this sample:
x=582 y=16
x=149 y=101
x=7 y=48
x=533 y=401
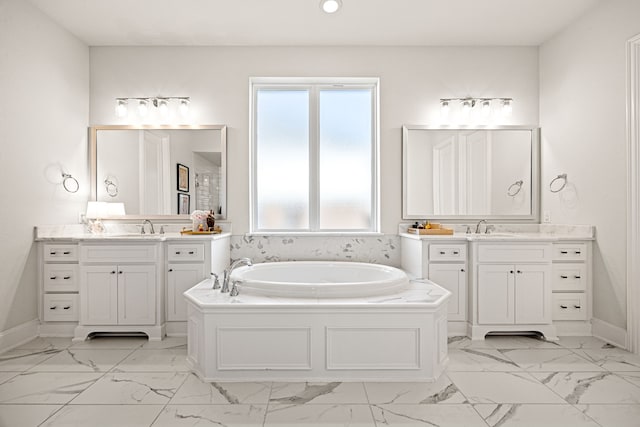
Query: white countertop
x=499 y=237
x=122 y=232
x=420 y=294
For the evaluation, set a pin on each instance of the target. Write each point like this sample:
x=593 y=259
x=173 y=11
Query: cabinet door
x=99 y=295
x=533 y=294
x=452 y=277
x=495 y=294
x=136 y=294
x=180 y=278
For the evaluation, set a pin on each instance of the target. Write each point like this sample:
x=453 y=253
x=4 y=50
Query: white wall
x=217 y=80
x=44 y=110
x=582 y=115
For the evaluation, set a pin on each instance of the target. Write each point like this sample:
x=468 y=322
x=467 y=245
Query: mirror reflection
x=485 y=173
x=160 y=171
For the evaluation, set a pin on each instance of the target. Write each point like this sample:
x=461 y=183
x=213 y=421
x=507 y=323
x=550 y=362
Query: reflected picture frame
x=183 y=177
x=184 y=201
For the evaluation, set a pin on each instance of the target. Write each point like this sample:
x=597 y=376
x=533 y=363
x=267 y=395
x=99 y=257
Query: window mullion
x=314 y=159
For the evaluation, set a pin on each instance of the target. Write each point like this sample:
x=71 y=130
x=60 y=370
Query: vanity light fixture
x=330 y=6
x=467 y=104
x=162 y=103
x=486 y=107
x=507 y=106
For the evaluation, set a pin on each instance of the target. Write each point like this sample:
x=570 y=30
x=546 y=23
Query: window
x=314 y=155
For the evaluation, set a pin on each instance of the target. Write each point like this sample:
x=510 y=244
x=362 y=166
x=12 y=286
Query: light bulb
x=444 y=108
x=466 y=106
x=507 y=107
x=330 y=6
x=143 y=107
x=163 y=107
x=486 y=108
x=121 y=107
x=184 y=107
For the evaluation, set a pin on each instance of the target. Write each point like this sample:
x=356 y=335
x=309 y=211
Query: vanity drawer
x=185 y=252
x=53 y=252
x=61 y=277
x=443 y=252
x=570 y=252
x=500 y=252
x=569 y=306
x=61 y=308
x=569 y=277
x=119 y=253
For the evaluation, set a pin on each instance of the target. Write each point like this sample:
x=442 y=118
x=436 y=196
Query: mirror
x=160 y=171
x=470 y=173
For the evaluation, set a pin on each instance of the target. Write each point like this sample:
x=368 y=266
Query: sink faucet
x=227 y=272
x=478 y=225
x=146 y=221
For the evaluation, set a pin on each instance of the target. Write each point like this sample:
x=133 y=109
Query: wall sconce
x=162 y=103
x=468 y=104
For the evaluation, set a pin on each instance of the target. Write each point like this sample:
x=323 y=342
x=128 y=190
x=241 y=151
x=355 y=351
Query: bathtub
x=319 y=279
x=318 y=321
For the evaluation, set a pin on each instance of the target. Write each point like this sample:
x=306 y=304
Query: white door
x=154 y=174
x=99 y=295
x=180 y=278
x=453 y=278
x=136 y=294
x=533 y=294
x=495 y=294
x=445 y=177
x=475 y=149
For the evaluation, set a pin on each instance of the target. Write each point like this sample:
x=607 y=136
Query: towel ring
x=70 y=183
x=563 y=177
x=511 y=191
x=111 y=187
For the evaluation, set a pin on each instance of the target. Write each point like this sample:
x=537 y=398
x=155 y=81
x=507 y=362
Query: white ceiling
x=301 y=23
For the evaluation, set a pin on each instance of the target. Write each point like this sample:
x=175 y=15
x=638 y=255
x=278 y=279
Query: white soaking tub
x=398 y=335
x=319 y=279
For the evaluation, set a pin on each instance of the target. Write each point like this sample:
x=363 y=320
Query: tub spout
x=227 y=272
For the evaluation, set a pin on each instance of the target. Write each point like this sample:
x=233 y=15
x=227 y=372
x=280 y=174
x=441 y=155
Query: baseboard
x=18 y=335
x=57 y=329
x=573 y=328
x=457 y=328
x=609 y=333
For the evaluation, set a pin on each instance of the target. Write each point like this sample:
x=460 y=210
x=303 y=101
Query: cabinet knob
x=519 y=271
x=66 y=252
x=462 y=270
x=563 y=306
x=191 y=252
x=178 y=252
x=577 y=277
x=576 y=306
x=456 y=252
x=113 y=272
x=67 y=277
x=52 y=253
x=53 y=278
x=563 y=276
x=441 y=253
x=66 y=308
x=119 y=272
x=577 y=252
x=564 y=252
x=511 y=271
x=170 y=270
x=52 y=308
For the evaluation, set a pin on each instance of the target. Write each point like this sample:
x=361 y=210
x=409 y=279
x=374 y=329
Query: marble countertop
x=511 y=233
x=119 y=232
x=419 y=294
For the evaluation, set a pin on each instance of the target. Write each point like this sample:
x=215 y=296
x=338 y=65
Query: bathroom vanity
x=531 y=279
x=123 y=282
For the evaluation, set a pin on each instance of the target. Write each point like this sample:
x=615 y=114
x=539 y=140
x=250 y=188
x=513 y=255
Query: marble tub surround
x=464 y=397
x=549 y=232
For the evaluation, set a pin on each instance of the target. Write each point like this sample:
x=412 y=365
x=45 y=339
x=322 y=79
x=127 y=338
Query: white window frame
x=314 y=85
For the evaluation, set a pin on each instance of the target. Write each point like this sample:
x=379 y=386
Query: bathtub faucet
x=227 y=272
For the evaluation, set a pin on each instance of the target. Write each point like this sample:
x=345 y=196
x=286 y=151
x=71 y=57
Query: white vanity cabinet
x=60 y=282
x=185 y=268
x=511 y=288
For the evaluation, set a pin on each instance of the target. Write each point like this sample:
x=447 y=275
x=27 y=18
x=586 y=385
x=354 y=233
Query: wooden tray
x=191 y=232
x=431 y=231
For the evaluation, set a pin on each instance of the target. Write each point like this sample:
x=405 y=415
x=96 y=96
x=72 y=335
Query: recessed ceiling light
x=330 y=6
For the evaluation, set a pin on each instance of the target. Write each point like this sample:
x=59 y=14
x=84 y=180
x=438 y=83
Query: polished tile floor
x=502 y=381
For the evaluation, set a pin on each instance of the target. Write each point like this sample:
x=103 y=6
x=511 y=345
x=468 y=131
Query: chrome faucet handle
x=489 y=228
x=216 y=282
x=468 y=229
x=234 y=289
x=142 y=229
x=162 y=229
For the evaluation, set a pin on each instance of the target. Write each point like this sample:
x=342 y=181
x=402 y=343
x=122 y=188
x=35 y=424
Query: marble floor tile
x=521 y=415
x=45 y=387
x=154 y=361
x=426 y=415
x=317 y=393
x=519 y=341
x=440 y=391
x=583 y=343
x=6 y=376
x=104 y=416
x=502 y=387
x=211 y=415
x=466 y=342
x=590 y=387
x=46 y=343
x=132 y=388
x=114 y=343
x=319 y=416
x=613 y=415
x=174 y=343
x=21 y=360
x=72 y=360
x=472 y=359
x=612 y=359
x=25 y=415
x=631 y=376
x=194 y=391
x=547 y=360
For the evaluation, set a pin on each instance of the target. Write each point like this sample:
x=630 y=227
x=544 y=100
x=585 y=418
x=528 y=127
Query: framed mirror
x=470 y=173
x=160 y=171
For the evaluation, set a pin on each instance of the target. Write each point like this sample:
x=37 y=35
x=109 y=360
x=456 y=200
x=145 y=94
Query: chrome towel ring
x=515 y=188
x=70 y=183
x=561 y=180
